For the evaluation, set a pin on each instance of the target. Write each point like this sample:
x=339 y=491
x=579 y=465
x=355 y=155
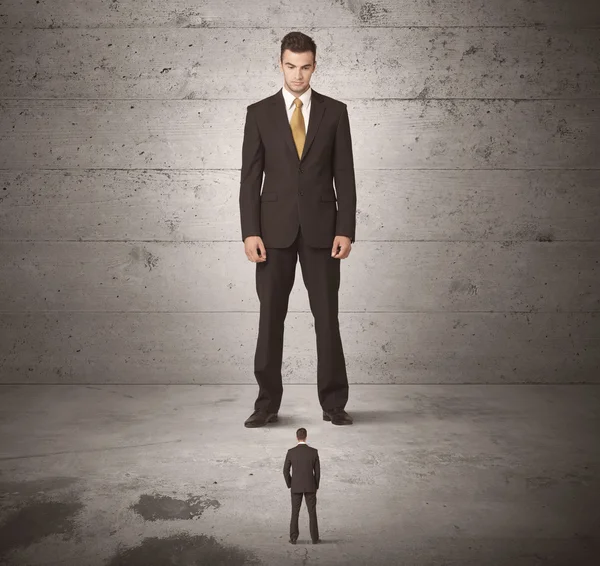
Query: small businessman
x=304 y=480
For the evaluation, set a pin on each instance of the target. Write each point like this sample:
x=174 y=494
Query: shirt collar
x=301 y=442
x=289 y=97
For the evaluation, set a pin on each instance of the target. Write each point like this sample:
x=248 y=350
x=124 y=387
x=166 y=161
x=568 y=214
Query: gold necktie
x=298 y=128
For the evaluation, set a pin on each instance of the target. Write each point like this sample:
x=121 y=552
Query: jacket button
x=300 y=170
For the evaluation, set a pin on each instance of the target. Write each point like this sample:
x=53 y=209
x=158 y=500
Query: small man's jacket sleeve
x=286 y=470
x=317 y=470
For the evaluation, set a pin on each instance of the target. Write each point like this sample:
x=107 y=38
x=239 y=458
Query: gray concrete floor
x=427 y=475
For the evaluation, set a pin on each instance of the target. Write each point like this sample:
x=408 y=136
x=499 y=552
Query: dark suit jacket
x=297 y=191
x=304 y=461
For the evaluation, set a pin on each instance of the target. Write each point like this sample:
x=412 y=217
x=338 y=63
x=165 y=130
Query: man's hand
x=252 y=246
x=341 y=247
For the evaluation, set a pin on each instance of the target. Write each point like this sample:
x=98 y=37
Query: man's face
x=297 y=69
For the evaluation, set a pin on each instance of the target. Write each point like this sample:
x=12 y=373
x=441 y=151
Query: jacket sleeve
x=286 y=470
x=253 y=161
x=343 y=173
x=317 y=470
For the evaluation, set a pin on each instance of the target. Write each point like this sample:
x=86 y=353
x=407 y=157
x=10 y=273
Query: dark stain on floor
x=183 y=550
x=36 y=520
x=163 y=507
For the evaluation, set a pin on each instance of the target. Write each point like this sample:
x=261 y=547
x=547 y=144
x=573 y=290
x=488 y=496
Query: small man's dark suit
x=305 y=478
x=296 y=216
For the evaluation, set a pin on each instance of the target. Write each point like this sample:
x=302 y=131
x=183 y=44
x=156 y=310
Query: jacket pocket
x=269 y=196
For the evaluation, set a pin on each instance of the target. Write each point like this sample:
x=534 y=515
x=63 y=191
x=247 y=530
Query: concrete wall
x=476 y=128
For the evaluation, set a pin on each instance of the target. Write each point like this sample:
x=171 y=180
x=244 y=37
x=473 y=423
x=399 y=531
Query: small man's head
x=297 y=61
x=301 y=434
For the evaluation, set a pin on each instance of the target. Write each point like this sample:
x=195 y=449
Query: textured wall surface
x=476 y=128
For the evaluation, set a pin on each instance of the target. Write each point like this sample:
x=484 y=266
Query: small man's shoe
x=260 y=418
x=337 y=417
x=316 y=541
x=293 y=540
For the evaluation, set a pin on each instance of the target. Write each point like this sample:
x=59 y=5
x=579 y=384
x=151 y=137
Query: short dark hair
x=301 y=434
x=298 y=42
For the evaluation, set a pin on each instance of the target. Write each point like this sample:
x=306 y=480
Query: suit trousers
x=311 y=505
x=274 y=282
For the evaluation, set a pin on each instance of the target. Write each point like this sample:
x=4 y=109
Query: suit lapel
x=316 y=113
x=317 y=107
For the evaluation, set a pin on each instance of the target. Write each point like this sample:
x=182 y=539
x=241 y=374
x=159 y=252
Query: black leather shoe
x=316 y=541
x=260 y=418
x=337 y=417
x=293 y=540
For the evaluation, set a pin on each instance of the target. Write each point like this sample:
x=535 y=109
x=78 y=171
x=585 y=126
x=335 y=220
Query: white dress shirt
x=301 y=442
x=290 y=106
